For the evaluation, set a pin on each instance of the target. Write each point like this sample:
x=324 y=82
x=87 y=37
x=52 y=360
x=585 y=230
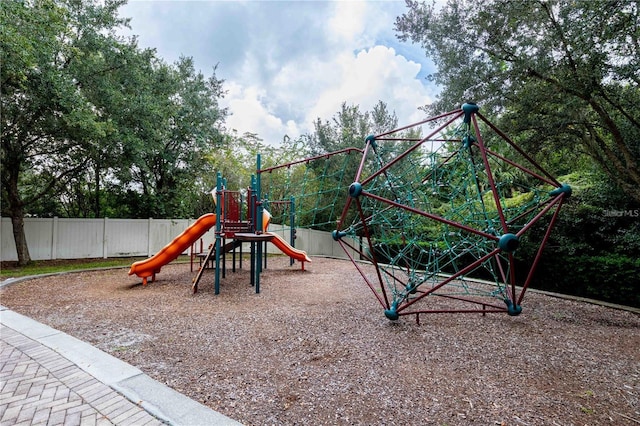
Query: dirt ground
x=314 y=347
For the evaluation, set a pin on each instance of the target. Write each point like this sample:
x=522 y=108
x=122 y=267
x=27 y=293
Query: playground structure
x=439 y=216
x=234 y=220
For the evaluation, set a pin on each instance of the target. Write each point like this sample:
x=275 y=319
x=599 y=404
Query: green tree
x=47 y=121
x=561 y=73
x=349 y=127
x=92 y=124
x=171 y=155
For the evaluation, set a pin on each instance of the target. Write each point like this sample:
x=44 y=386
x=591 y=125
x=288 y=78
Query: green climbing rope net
x=440 y=215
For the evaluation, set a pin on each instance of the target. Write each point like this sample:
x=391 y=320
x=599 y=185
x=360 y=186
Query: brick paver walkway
x=38 y=386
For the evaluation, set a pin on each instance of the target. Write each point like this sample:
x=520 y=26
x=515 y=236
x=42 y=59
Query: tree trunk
x=16 y=211
x=622 y=158
x=17 y=220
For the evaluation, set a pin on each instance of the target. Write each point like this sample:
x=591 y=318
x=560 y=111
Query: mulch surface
x=314 y=347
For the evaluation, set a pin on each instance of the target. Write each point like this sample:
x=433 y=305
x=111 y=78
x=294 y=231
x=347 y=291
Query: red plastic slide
x=283 y=246
x=150 y=267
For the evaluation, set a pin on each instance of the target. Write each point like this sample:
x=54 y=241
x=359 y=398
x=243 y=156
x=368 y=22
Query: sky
x=287 y=63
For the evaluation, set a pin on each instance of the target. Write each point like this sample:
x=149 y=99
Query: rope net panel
x=438 y=207
x=315 y=185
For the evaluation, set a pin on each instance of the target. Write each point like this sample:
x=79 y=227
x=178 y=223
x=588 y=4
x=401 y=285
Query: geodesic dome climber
x=441 y=216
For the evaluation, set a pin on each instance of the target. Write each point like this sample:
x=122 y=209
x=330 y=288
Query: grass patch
x=587 y=410
x=11 y=270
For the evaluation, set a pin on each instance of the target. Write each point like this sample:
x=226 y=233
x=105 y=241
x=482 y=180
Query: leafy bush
x=609 y=277
x=594 y=250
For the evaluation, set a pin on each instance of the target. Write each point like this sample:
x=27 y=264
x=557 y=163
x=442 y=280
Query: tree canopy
x=87 y=115
x=561 y=74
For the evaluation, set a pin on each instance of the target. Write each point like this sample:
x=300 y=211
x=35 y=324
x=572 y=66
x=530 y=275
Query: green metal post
x=258 y=218
x=218 y=230
x=253 y=213
x=292 y=227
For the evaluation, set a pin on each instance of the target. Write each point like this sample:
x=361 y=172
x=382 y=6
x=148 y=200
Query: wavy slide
x=283 y=246
x=150 y=267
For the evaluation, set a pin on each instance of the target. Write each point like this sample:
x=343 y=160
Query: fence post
x=149 y=237
x=104 y=238
x=53 y=254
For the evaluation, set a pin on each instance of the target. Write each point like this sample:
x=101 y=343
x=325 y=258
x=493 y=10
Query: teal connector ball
x=508 y=243
x=513 y=310
x=355 y=189
x=392 y=312
x=469 y=108
x=337 y=235
x=564 y=188
x=371 y=139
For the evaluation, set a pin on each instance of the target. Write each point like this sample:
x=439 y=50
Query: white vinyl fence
x=60 y=238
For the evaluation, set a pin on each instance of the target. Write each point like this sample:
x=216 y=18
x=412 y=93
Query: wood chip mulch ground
x=315 y=348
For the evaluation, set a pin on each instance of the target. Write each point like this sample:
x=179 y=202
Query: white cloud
x=250 y=113
x=372 y=75
x=347 y=24
x=308 y=89
x=287 y=63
